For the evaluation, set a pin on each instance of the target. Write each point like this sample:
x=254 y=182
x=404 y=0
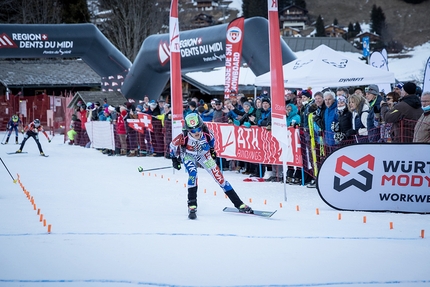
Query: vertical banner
x=233 y=55
x=279 y=121
x=366 y=48
x=426 y=83
x=379 y=60
x=175 y=70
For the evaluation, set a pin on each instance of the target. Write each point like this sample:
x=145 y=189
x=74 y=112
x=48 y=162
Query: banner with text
x=233 y=55
x=255 y=144
x=384 y=179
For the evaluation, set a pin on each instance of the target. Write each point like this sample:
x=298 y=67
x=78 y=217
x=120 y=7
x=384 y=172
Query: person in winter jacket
x=422 y=128
x=342 y=122
x=265 y=119
x=196 y=146
x=13 y=124
x=32 y=130
x=247 y=116
x=325 y=119
x=404 y=115
x=362 y=118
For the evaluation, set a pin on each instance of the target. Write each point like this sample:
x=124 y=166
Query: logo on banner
x=234 y=35
x=363 y=178
x=342 y=64
x=6 y=42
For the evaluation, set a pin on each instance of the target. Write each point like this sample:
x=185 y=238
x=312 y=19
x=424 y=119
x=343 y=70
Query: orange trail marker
x=250 y=200
x=280 y=205
x=204 y=191
x=41 y=217
x=364 y=219
x=161 y=176
x=318 y=211
x=149 y=174
x=44 y=222
x=34 y=206
x=265 y=201
x=49 y=228
x=422 y=233
x=339 y=216
x=38 y=211
x=297 y=208
x=391 y=225
x=215 y=192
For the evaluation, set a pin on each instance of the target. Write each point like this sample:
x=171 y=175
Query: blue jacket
x=293 y=118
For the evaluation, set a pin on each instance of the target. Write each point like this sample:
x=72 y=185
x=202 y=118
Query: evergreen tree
x=335 y=22
x=377 y=20
x=320 y=27
x=75 y=11
x=350 y=33
x=253 y=8
x=357 y=29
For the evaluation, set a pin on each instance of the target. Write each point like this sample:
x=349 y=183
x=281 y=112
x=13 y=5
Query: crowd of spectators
x=327 y=120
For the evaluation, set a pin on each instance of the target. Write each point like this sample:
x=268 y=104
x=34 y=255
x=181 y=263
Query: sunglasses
x=196 y=130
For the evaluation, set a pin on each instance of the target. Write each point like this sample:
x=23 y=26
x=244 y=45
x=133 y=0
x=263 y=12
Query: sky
x=114 y=226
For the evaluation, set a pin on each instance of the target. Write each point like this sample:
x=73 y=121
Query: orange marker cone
x=364 y=219
x=339 y=217
x=49 y=228
x=422 y=233
x=44 y=222
x=297 y=208
x=41 y=217
x=318 y=211
x=280 y=205
x=391 y=225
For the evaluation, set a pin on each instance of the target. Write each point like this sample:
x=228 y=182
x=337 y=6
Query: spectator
x=362 y=118
x=219 y=115
x=404 y=115
x=265 y=119
x=247 y=116
x=294 y=175
x=306 y=102
x=392 y=98
x=342 y=122
x=121 y=129
x=359 y=91
x=325 y=119
x=374 y=99
x=342 y=91
x=422 y=128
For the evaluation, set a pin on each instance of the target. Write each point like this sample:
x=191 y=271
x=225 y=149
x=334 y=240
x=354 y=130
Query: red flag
x=145 y=121
x=135 y=124
x=233 y=55
x=175 y=70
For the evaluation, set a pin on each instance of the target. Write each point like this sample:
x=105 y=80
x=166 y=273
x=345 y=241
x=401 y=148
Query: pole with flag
x=279 y=121
x=233 y=55
x=175 y=71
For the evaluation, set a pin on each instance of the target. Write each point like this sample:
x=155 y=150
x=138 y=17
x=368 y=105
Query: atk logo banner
x=377 y=177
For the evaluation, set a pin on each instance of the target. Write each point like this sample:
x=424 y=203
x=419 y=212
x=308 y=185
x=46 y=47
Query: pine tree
x=335 y=22
x=253 y=8
x=320 y=27
x=75 y=11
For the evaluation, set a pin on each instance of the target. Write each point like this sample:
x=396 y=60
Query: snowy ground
x=114 y=226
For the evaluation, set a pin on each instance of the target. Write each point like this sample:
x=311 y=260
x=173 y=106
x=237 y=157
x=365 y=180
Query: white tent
x=325 y=67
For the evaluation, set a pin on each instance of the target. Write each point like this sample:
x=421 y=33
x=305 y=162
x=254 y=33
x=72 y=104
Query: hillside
x=407 y=23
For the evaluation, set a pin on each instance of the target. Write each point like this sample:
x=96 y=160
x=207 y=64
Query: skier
x=13 y=124
x=196 y=146
x=32 y=130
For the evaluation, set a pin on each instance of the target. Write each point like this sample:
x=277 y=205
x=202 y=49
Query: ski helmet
x=36 y=123
x=193 y=121
x=15 y=118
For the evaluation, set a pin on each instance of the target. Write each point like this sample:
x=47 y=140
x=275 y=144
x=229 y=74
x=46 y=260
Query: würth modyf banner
x=377 y=177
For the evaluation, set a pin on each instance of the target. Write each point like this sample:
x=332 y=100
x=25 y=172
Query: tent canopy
x=325 y=67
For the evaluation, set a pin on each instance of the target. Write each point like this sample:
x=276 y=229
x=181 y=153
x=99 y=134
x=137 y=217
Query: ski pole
x=4 y=136
x=14 y=180
x=140 y=169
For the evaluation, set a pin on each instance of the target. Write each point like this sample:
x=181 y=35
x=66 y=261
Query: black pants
x=35 y=136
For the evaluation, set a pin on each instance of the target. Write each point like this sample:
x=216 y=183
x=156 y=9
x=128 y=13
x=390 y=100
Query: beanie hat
x=193 y=104
x=410 y=88
x=247 y=103
x=399 y=85
x=373 y=89
x=267 y=100
x=307 y=93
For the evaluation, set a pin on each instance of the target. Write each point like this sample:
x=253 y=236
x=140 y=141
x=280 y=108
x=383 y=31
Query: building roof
x=114 y=98
x=48 y=73
x=298 y=44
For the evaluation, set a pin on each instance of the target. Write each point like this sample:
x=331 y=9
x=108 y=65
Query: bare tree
x=30 y=11
x=128 y=23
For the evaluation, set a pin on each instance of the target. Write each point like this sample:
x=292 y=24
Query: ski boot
x=245 y=209
x=18 y=151
x=16 y=140
x=42 y=154
x=192 y=209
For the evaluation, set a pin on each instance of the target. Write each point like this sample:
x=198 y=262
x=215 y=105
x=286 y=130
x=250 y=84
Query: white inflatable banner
x=377 y=177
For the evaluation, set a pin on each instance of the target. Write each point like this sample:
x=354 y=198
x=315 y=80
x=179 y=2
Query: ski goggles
x=196 y=130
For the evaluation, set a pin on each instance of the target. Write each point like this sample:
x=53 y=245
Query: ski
x=45 y=155
x=256 y=212
x=16 y=152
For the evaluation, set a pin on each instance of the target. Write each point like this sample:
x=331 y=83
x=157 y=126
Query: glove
x=236 y=123
x=176 y=163
x=213 y=153
x=335 y=126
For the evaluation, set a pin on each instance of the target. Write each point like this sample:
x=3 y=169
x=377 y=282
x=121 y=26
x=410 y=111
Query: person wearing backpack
x=196 y=146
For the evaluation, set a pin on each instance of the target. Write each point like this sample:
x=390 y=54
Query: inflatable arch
x=66 y=41
x=201 y=49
